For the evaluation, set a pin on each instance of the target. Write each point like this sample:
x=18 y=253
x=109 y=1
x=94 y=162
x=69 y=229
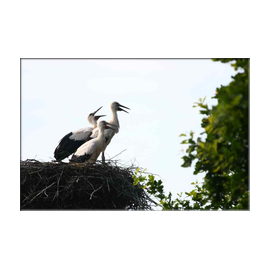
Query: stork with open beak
x=73 y=140
x=91 y=150
x=109 y=133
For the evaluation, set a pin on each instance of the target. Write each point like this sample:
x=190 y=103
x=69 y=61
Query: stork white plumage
x=91 y=150
x=109 y=133
x=73 y=140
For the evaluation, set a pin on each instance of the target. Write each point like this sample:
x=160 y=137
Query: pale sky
x=57 y=95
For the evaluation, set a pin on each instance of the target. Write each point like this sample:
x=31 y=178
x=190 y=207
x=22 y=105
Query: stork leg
x=103 y=158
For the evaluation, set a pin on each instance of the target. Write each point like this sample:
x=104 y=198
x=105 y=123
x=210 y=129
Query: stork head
x=115 y=106
x=92 y=118
x=105 y=125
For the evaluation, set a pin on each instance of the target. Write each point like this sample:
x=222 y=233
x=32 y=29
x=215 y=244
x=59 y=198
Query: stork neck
x=100 y=133
x=114 y=120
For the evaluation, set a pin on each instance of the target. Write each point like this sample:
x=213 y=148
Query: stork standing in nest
x=109 y=133
x=73 y=140
x=91 y=150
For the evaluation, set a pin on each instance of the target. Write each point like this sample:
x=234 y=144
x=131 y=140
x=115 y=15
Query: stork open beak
x=98 y=116
x=109 y=127
x=97 y=110
x=121 y=109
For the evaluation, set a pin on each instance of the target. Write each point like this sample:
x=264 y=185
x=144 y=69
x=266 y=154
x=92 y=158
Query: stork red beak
x=110 y=126
x=121 y=109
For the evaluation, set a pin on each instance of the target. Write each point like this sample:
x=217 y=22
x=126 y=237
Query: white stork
x=109 y=133
x=73 y=140
x=91 y=150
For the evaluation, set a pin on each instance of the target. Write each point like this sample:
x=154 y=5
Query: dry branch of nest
x=49 y=185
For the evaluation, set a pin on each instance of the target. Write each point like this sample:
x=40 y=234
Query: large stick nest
x=50 y=185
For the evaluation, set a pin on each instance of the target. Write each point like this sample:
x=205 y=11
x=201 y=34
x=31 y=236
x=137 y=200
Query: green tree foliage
x=223 y=156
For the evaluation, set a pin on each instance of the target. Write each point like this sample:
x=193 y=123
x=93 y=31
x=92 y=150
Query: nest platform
x=51 y=185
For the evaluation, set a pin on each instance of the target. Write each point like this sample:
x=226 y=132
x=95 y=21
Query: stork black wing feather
x=67 y=147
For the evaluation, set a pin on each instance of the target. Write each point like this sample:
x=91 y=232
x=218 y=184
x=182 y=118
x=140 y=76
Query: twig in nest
x=118 y=154
x=42 y=191
x=58 y=180
x=95 y=191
